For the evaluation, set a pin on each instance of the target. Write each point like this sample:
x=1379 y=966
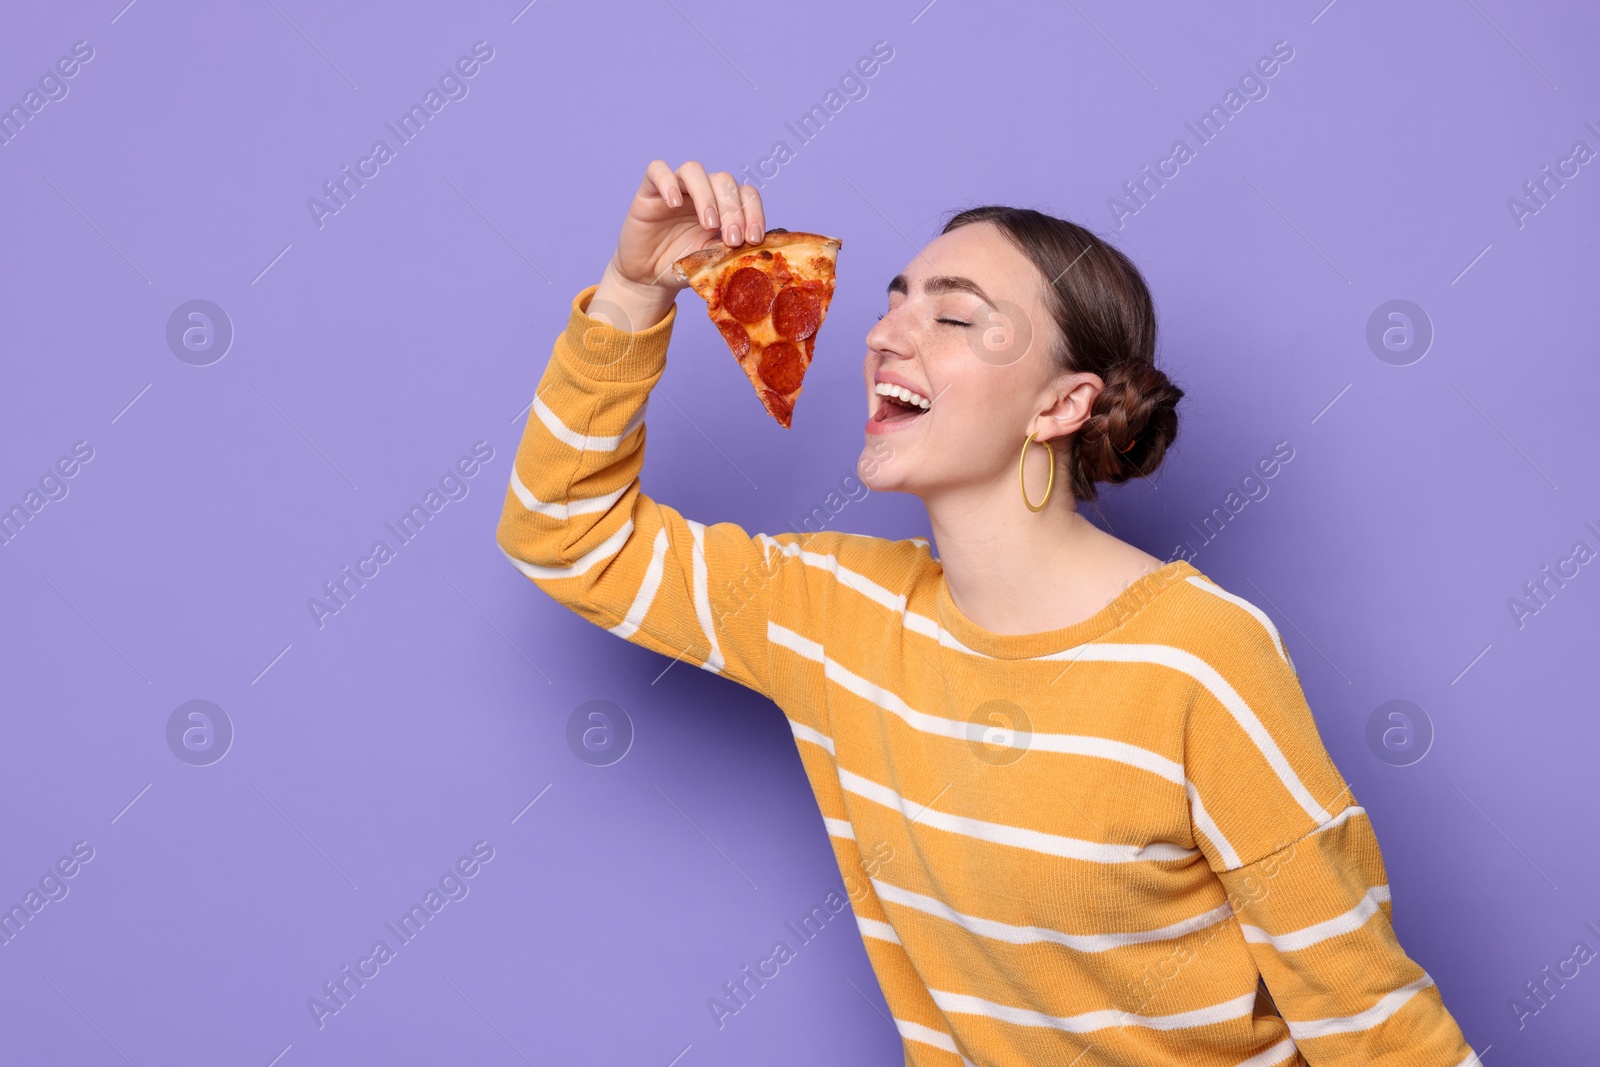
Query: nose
x=888 y=337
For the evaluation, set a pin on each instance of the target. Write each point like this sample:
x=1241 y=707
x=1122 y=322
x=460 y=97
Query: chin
x=877 y=470
x=881 y=484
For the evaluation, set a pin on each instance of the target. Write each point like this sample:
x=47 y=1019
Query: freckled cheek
x=957 y=377
x=975 y=413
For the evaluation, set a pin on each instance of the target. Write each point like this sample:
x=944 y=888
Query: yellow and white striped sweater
x=1118 y=873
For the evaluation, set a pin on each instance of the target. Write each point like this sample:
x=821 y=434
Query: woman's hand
x=675 y=212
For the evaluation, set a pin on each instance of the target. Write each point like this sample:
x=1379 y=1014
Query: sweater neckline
x=1119 y=610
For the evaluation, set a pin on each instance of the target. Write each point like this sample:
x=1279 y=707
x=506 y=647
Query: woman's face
x=967 y=329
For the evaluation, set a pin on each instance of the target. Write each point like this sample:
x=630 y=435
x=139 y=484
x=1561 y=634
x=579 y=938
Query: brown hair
x=1107 y=322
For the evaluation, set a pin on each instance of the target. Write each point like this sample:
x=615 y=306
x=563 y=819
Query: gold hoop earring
x=1023 y=463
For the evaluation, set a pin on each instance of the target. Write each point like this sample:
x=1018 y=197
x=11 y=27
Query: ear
x=1074 y=396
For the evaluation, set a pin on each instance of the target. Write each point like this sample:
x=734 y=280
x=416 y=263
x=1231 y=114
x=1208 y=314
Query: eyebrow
x=941 y=283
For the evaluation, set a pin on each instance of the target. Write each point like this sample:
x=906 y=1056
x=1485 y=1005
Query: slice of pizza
x=768 y=300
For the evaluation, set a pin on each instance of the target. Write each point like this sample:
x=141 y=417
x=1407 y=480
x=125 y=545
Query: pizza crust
x=713 y=255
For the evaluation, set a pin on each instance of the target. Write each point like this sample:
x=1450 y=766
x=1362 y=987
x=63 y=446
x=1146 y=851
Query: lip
x=895 y=379
x=879 y=428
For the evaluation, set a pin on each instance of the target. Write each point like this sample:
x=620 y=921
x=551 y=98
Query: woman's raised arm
x=575 y=520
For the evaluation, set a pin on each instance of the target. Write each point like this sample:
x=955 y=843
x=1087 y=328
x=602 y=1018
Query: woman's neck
x=1014 y=571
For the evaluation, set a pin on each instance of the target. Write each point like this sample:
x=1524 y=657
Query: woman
x=1081 y=802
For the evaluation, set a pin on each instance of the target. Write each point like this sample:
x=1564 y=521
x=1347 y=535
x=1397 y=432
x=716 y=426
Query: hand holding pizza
x=766 y=292
x=674 y=212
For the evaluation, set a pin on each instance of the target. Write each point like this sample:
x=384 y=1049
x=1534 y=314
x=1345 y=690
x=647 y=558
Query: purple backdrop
x=1350 y=269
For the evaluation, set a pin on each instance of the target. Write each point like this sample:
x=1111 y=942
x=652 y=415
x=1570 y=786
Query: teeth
x=902 y=393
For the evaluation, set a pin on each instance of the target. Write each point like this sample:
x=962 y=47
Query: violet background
x=371 y=353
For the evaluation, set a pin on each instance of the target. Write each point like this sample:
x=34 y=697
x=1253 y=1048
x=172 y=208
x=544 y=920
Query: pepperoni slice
x=796 y=313
x=748 y=295
x=782 y=367
x=738 y=340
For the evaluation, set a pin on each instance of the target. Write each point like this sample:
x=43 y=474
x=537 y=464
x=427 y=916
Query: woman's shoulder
x=856 y=559
x=1209 y=620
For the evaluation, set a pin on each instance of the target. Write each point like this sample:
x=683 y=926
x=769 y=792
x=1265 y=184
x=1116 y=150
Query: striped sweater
x=1121 y=842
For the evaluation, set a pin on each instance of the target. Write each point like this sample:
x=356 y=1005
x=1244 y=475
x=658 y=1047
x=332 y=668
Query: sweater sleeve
x=576 y=522
x=1301 y=866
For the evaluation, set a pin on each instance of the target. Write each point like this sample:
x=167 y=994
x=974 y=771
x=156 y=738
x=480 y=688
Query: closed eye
x=947 y=322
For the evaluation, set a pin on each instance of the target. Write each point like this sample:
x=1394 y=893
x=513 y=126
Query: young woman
x=1077 y=793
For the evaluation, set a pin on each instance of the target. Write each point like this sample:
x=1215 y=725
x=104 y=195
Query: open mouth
x=898 y=404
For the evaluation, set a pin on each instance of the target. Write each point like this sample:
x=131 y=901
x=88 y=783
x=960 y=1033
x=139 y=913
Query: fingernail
x=733 y=233
x=674 y=198
x=755 y=237
x=711 y=219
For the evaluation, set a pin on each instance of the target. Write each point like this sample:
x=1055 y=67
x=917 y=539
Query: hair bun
x=1134 y=419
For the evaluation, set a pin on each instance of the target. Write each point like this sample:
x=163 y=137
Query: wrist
x=628 y=305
